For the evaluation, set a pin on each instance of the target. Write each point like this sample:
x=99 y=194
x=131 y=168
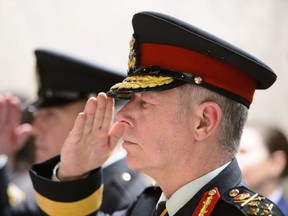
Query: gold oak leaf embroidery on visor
x=135 y=82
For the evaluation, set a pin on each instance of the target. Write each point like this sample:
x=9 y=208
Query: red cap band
x=213 y=71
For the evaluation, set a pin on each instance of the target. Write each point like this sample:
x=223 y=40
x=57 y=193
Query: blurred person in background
x=263 y=159
x=19 y=157
x=65 y=83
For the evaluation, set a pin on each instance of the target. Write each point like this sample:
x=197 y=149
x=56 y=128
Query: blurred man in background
x=263 y=159
x=65 y=84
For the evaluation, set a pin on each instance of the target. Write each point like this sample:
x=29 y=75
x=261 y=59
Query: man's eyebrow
x=152 y=96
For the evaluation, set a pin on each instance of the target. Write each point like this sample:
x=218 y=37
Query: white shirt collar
x=115 y=157
x=185 y=193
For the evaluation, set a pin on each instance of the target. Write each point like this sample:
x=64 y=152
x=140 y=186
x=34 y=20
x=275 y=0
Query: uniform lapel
x=230 y=177
x=146 y=203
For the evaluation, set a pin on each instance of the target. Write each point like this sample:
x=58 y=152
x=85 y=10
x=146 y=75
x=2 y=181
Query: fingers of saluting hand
x=96 y=118
x=99 y=113
x=77 y=131
x=3 y=109
x=14 y=112
x=9 y=110
x=104 y=113
x=89 y=112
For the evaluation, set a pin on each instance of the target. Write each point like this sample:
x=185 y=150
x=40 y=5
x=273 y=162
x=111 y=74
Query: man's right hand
x=12 y=135
x=91 y=141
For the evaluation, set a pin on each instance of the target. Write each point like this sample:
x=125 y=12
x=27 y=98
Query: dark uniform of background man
x=189 y=97
x=65 y=83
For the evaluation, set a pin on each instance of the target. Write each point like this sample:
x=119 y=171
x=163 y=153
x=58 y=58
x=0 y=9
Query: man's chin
x=133 y=163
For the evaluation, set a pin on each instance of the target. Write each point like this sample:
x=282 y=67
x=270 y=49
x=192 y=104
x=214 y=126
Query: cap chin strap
x=158 y=71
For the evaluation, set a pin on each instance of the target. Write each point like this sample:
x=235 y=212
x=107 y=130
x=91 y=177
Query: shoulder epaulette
x=249 y=202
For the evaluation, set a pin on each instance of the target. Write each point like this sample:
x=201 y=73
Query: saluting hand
x=91 y=140
x=13 y=135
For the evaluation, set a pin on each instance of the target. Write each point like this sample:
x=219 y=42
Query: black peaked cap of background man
x=166 y=53
x=63 y=79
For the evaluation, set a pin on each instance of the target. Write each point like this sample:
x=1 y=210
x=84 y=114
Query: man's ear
x=209 y=118
x=279 y=162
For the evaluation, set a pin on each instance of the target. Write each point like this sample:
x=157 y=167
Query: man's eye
x=47 y=113
x=50 y=114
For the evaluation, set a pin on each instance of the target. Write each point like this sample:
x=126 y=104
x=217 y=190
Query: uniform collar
x=185 y=193
x=115 y=157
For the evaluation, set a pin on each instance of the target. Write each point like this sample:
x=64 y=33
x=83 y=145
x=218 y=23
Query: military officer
x=189 y=93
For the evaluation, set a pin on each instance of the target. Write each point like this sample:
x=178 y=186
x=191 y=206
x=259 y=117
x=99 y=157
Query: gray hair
x=234 y=114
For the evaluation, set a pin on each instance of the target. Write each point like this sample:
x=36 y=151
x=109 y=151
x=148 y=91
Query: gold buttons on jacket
x=233 y=192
